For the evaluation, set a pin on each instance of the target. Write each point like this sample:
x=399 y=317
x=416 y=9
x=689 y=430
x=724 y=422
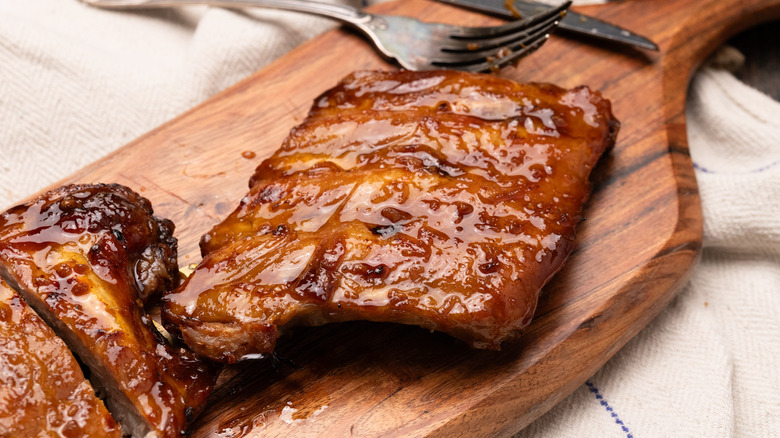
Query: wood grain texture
x=634 y=252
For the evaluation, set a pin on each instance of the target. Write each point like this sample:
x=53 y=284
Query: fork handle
x=343 y=13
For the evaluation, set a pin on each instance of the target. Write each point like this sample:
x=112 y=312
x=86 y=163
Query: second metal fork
x=415 y=45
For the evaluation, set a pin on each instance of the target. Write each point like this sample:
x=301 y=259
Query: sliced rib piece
x=441 y=199
x=84 y=257
x=42 y=389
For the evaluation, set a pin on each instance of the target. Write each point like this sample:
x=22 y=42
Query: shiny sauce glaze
x=42 y=389
x=87 y=257
x=441 y=199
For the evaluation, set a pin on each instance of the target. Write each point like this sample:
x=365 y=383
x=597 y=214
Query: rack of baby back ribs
x=440 y=199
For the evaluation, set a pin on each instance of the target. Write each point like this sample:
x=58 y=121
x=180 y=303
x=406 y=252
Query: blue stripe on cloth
x=592 y=388
x=758 y=170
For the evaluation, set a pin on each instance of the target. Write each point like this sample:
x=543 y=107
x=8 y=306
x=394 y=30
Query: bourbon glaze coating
x=442 y=199
x=84 y=257
x=42 y=389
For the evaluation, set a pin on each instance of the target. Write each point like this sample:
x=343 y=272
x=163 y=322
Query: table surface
x=761 y=47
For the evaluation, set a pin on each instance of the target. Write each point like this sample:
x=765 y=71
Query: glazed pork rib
x=42 y=389
x=442 y=199
x=85 y=257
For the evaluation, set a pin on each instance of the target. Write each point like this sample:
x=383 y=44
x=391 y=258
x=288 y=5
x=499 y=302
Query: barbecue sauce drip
x=512 y=8
x=442 y=199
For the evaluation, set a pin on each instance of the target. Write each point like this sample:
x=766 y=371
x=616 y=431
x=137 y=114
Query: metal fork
x=415 y=45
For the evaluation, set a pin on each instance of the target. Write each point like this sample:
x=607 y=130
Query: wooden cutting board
x=640 y=240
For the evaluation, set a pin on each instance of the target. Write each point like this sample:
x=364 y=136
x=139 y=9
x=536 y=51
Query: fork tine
x=512 y=56
x=470 y=33
x=414 y=44
x=485 y=45
x=489 y=59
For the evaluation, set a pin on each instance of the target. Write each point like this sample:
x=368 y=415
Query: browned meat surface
x=42 y=389
x=441 y=199
x=84 y=257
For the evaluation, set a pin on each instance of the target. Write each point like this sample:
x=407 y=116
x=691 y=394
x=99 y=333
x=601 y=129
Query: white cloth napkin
x=77 y=83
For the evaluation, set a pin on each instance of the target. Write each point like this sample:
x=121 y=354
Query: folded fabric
x=77 y=82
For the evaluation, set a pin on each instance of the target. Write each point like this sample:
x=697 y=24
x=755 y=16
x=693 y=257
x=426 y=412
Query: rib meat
x=85 y=257
x=42 y=389
x=441 y=199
